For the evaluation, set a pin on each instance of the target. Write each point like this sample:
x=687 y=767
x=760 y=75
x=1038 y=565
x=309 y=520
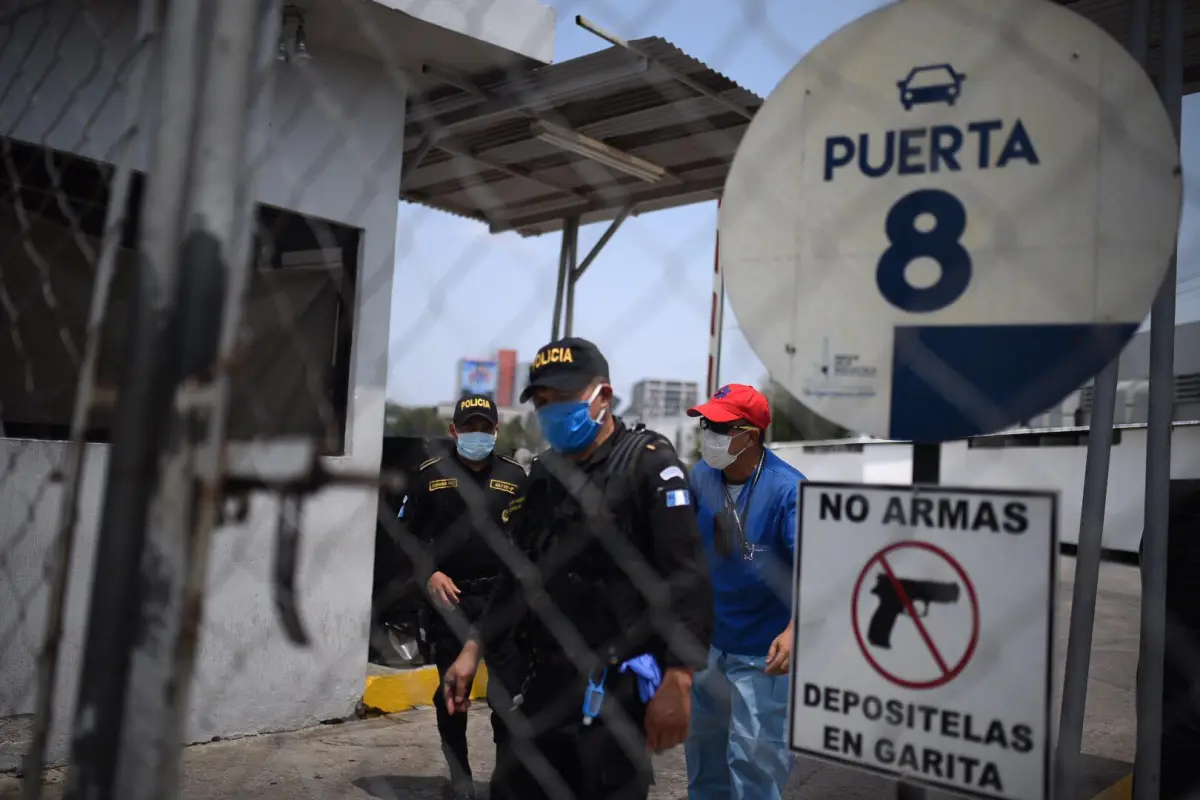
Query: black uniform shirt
x=456 y=512
x=665 y=533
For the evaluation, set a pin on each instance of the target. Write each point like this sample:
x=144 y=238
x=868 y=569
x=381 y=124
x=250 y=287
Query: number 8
x=942 y=244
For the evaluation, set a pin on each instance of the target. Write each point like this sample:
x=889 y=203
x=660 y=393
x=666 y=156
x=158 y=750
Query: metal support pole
x=64 y=545
x=113 y=626
x=1147 y=772
x=156 y=515
x=561 y=287
x=716 y=321
x=926 y=469
x=571 y=233
x=1091 y=523
x=926 y=463
x=604 y=238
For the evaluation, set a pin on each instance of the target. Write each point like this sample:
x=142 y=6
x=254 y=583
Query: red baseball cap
x=735 y=402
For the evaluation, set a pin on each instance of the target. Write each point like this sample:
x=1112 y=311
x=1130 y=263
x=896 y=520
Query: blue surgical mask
x=476 y=446
x=569 y=427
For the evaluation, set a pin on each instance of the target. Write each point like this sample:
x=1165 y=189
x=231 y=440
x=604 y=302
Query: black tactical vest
x=584 y=538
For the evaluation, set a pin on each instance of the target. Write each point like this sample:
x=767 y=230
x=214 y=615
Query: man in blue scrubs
x=746 y=504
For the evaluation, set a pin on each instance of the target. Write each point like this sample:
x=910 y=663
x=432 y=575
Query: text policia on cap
x=922 y=759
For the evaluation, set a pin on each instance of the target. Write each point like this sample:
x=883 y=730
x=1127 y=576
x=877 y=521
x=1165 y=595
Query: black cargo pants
x=557 y=753
x=502 y=672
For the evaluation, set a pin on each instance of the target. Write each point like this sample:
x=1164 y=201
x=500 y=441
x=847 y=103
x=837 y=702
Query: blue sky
x=460 y=291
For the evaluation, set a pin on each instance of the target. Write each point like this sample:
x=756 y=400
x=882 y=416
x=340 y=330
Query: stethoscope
x=732 y=505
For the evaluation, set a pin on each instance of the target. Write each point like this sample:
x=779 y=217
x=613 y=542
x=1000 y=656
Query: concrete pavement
x=399 y=757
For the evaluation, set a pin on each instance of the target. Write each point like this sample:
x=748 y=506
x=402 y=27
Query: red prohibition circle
x=950 y=673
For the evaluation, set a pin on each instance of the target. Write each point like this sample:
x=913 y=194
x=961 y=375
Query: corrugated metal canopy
x=486 y=165
x=1113 y=16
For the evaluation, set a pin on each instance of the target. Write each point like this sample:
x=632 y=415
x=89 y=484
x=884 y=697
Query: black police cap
x=566 y=365
x=475 y=405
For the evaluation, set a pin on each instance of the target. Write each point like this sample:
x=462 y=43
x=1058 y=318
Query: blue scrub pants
x=737 y=747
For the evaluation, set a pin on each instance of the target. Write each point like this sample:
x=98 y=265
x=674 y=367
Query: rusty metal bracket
x=291 y=491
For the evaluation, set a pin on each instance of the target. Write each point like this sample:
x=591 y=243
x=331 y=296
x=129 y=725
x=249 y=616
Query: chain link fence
x=199 y=251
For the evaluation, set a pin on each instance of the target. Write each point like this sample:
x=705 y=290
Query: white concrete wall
x=335 y=152
x=522 y=26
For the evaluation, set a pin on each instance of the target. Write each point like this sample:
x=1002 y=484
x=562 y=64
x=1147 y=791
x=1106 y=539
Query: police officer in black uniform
x=613 y=606
x=454 y=506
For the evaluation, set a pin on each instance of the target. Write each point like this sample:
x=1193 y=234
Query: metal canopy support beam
x=426 y=147
x=613 y=39
x=571 y=243
x=1091 y=522
x=511 y=171
x=523 y=93
x=1147 y=772
x=577 y=273
x=708 y=185
x=455 y=79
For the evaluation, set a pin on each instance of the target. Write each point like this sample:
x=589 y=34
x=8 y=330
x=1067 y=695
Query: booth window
x=292 y=373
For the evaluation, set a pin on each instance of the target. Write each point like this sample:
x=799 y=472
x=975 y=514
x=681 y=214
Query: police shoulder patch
x=429 y=463
x=672 y=472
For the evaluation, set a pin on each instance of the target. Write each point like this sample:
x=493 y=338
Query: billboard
x=477 y=376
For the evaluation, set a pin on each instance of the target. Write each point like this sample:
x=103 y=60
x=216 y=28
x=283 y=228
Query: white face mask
x=714 y=449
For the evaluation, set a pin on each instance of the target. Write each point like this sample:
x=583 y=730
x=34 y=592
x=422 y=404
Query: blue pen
x=593 y=698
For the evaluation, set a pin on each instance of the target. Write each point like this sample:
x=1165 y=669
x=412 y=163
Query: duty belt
x=476 y=585
x=551 y=658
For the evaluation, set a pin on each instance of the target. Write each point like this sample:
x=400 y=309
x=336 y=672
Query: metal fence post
x=143 y=406
x=1151 y=657
x=195 y=229
x=63 y=549
x=1091 y=523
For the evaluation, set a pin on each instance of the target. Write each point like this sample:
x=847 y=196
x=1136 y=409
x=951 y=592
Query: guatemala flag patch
x=678 y=497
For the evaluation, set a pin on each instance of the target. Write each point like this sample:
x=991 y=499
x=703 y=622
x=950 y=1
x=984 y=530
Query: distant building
x=520 y=381
x=494 y=375
x=1133 y=387
x=656 y=399
x=506 y=361
x=684 y=433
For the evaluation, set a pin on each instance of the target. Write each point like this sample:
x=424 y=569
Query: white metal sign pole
x=717 y=318
x=926 y=469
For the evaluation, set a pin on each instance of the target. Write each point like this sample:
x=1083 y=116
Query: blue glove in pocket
x=649 y=676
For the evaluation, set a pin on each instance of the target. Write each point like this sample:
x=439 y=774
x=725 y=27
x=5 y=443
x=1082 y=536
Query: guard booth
x=314 y=371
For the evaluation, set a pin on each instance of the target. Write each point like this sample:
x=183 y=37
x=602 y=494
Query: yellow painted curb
x=409 y=688
x=1121 y=790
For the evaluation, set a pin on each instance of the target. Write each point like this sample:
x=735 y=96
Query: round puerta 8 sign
x=949 y=215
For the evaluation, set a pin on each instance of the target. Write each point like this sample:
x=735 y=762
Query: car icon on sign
x=935 y=83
